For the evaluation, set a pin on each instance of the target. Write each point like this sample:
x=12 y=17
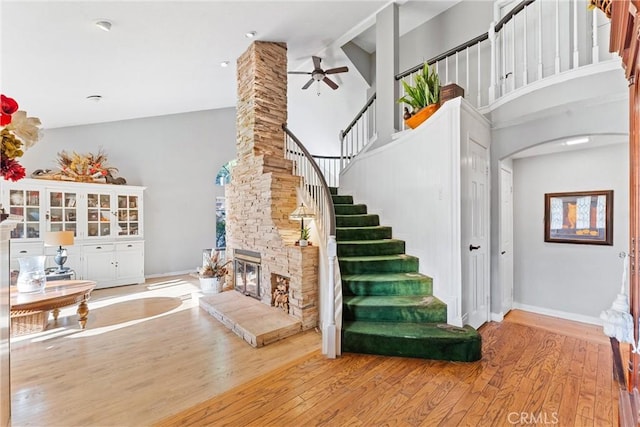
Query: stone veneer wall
x=262 y=192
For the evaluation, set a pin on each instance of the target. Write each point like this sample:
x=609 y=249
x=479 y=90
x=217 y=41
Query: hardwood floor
x=536 y=370
x=148 y=352
x=151 y=356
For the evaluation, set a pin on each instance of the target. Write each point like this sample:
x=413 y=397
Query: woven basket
x=28 y=321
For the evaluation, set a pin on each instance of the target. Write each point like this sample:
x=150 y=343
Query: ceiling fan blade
x=330 y=82
x=298 y=72
x=337 y=70
x=316 y=62
x=307 y=84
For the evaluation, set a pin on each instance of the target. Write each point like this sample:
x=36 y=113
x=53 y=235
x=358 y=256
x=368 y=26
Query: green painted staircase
x=388 y=307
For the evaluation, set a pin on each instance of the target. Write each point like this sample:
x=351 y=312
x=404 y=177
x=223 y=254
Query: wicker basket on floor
x=28 y=321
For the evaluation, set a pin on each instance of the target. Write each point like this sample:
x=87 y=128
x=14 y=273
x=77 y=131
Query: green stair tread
x=370 y=247
x=400 y=263
x=412 y=330
x=350 y=209
x=363 y=233
x=333 y=191
x=387 y=284
x=393 y=301
x=437 y=341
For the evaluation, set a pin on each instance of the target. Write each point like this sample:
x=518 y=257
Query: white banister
x=330 y=335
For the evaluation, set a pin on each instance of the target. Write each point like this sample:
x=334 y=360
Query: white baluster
x=595 y=50
x=576 y=53
x=456 y=82
x=467 y=71
x=513 y=53
x=446 y=63
x=479 y=101
x=539 y=40
x=524 y=50
x=557 y=59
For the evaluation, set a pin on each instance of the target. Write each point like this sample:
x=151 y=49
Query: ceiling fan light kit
x=318 y=74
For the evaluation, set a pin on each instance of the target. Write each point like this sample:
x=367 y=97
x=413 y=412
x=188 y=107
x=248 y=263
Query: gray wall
x=177 y=158
x=581 y=279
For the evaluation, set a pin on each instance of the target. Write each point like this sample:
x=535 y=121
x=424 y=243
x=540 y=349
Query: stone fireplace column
x=263 y=189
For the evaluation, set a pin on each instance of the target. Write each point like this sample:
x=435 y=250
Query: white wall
x=413 y=183
x=580 y=279
x=177 y=158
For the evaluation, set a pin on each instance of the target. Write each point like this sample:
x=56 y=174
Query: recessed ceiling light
x=250 y=34
x=577 y=141
x=94 y=98
x=224 y=64
x=104 y=25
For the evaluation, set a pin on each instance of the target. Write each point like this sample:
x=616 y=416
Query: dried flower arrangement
x=213 y=267
x=84 y=167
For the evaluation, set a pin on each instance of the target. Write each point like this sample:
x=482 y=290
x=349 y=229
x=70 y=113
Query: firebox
x=247 y=272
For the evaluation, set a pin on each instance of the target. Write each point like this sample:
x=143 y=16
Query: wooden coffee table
x=30 y=311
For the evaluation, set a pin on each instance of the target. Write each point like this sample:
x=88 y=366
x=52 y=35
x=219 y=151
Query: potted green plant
x=212 y=272
x=423 y=97
x=304 y=237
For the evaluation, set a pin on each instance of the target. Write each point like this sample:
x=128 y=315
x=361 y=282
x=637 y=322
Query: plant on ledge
x=213 y=268
x=425 y=93
x=18 y=133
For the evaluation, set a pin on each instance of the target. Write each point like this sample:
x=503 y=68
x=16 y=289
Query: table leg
x=56 y=312
x=83 y=312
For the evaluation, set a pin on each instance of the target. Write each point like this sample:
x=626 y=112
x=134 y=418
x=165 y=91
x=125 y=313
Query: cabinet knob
x=98 y=247
x=23 y=252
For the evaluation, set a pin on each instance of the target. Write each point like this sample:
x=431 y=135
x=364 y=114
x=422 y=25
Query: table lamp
x=59 y=238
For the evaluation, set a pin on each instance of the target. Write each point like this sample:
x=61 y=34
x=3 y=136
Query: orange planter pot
x=422 y=115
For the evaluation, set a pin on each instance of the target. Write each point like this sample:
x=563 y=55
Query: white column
x=595 y=50
x=557 y=59
x=576 y=53
x=387 y=62
x=329 y=333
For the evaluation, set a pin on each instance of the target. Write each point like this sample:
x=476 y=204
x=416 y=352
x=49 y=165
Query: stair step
x=394 y=308
x=378 y=264
x=350 y=209
x=333 y=191
x=342 y=200
x=387 y=284
x=424 y=340
x=366 y=220
x=370 y=247
x=363 y=233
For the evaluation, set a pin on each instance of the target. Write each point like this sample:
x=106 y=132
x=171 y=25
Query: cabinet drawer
x=26 y=249
x=129 y=246
x=98 y=248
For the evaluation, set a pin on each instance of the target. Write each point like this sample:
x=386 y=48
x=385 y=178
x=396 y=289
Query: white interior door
x=506 y=238
x=475 y=244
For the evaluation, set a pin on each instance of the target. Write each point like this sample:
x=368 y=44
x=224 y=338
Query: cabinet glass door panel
x=62 y=211
x=127 y=215
x=27 y=205
x=98 y=215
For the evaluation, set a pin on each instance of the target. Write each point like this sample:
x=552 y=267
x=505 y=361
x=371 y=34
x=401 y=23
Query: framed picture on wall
x=583 y=217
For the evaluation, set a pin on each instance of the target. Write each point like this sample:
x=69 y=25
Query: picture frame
x=579 y=217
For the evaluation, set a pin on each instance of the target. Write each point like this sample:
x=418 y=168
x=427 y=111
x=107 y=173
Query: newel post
x=329 y=336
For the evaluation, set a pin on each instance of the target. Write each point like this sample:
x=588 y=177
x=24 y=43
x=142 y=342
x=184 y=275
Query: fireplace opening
x=247 y=272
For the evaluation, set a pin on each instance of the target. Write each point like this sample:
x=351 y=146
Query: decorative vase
x=303 y=242
x=31 y=277
x=422 y=115
x=210 y=285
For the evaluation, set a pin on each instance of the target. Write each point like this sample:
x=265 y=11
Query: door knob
x=503 y=252
x=472 y=248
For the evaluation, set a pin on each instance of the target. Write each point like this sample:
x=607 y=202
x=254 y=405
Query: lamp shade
x=302 y=212
x=58 y=238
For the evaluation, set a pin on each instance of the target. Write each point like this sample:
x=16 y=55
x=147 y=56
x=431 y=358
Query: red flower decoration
x=8 y=106
x=12 y=170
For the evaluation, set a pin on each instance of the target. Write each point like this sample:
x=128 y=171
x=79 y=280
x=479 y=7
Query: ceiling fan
x=318 y=74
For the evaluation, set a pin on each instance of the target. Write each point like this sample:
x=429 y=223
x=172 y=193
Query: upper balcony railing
x=533 y=41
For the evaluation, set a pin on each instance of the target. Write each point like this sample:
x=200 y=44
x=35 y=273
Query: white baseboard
x=171 y=273
x=496 y=317
x=557 y=313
